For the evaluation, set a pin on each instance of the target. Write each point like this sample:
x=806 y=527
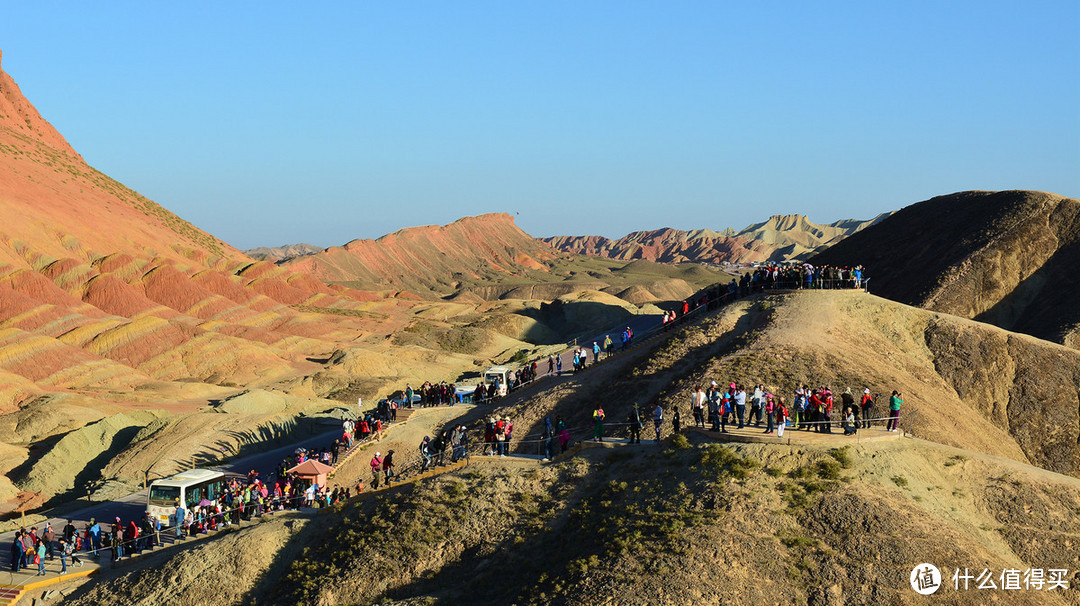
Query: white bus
x=499 y=376
x=189 y=488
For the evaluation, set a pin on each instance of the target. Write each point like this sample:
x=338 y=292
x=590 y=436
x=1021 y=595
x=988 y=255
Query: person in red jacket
x=376 y=470
x=827 y=419
x=817 y=407
x=134 y=542
x=867 y=405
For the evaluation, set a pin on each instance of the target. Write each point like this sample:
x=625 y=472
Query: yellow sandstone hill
x=692 y=521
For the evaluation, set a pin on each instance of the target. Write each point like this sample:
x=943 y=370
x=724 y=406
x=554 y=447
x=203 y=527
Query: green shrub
x=900 y=481
x=679 y=441
x=842 y=456
x=829 y=469
x=954 y=460
x=796 y=541
x=727 y=462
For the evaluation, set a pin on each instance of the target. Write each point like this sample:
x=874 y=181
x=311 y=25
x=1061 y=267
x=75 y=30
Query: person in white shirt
x=740 y=403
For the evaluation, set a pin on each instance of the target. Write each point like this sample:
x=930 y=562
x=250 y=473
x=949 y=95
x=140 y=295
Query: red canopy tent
x=312 y=471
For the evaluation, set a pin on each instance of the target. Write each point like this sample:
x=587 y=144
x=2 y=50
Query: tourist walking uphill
x=598 y=422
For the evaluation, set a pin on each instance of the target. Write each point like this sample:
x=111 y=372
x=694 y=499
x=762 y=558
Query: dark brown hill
x=1008 y=258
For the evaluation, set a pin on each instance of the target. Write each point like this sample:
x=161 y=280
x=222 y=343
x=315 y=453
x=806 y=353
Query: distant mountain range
x=281 y=253
x=486 y=257
x=781 y=237
x=491 y=247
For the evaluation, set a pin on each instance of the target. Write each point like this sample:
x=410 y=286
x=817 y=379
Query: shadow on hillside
x=234 y=444
x=1039 y=305
x=487 y=571
x=561 y=321
x=90 y=473
x=257 y=440
x=637 y=384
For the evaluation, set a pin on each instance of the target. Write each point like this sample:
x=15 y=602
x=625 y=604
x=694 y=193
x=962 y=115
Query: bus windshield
x=164 y=495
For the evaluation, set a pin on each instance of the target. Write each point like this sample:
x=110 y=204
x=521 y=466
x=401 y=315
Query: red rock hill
x=431 y=257
x=102 y=289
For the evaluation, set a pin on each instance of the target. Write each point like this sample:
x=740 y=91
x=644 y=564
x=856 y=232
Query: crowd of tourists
x=239 y=500
x=582 y=354
x=810 y=409
x=717 y=407
x=432 y=453
x=797 y=276
x=430 y=394
x=32 y=549
x=446 y=394
x=772 y=276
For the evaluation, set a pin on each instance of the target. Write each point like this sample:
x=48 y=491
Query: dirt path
x=403 y=438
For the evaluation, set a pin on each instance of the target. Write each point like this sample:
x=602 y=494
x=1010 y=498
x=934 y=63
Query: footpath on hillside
x=13 y=586
x=404 y=438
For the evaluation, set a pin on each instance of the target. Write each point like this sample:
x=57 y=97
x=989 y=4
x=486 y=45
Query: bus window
x=164 y=495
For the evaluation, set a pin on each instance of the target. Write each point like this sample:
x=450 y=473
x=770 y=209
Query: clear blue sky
x=267 y=123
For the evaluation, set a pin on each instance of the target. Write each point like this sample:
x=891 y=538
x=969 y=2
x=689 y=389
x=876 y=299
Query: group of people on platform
x=798 y=276
x=29 y=548
x=810 y=409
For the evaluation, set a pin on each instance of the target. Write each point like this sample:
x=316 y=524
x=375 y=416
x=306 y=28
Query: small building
x=312 y=471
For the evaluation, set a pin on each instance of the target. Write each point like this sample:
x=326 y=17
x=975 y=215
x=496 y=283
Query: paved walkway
x=757 y=435
x=13 y=585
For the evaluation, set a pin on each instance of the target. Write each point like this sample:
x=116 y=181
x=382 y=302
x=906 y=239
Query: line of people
x=811 y=409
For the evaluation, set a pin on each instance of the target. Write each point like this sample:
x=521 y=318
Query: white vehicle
x=497 y=375
x=188 y=488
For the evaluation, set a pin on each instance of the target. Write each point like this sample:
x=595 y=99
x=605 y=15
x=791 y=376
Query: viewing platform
x=756 y=435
